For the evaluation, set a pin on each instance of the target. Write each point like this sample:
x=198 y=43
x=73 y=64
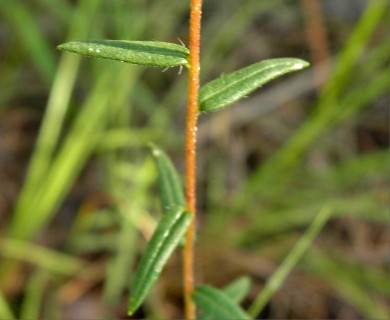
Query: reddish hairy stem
x=190 y=141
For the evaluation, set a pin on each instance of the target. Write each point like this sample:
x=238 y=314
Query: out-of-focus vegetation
x=77 y=186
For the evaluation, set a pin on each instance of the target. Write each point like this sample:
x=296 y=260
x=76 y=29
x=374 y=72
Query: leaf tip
x=156 y=152
x=300 y=64
x=154 y=149
x=61 y=46
x=67 y=46
x=132 y=307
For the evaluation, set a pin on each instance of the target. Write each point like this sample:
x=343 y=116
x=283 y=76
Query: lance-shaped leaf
x=215 y=304
x=168 y=179
x=238 y=289
x=231 y=87
x=148 y=53
x=168 y=233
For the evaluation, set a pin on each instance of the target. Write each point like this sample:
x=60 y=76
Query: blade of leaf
x=238 y=289
x=216 y=304
x=231 y=87
x=166 y=237
x=169 y=182
x=274 y=283
x=148 y=53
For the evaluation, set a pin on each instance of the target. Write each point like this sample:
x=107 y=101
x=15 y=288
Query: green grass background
x=87 y=197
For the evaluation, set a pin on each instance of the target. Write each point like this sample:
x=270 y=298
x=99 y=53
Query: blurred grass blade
x=215 y=304
x=349 y=285
x=31 y=37
x=374 y=12
x=148 y=53
x=171 y=190
x=118 y=268
x=60 y=8
x=33 y=296
x=169 y=232
x=118 y=275
x=55 y=113
x=5 y=309
x=328 y=110
x=44 y=258
x=229 y=88
x=236 y=22
x=60 y=94
x=238 y=289
x=274 y=283
x=80 y=142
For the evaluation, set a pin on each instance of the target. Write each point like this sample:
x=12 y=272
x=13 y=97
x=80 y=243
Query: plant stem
x=192 y=116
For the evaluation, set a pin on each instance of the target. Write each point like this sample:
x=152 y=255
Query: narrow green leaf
x=277 y=279
x=169 y=182
x=34 y=295
x=238 y=289
x=231 y=87
x=169 y=232
x=42 y=257
x=148 y=53
x=215 y=304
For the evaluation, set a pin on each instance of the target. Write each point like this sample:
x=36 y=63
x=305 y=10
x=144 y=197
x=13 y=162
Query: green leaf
x=296 y=253
x=238 y=289
x=148 y=53
x=169 y=232
x=169 y=182
x=231 y=87
x=215 y=304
